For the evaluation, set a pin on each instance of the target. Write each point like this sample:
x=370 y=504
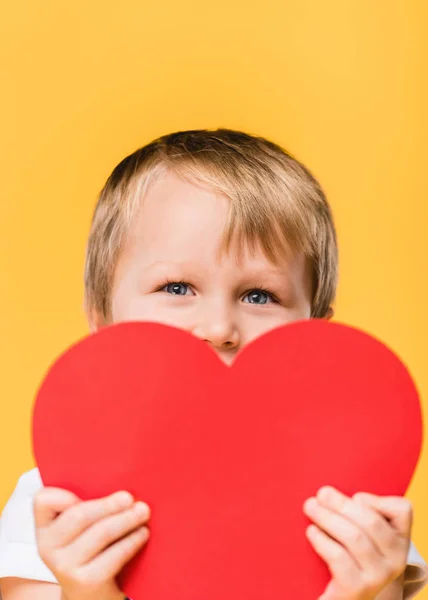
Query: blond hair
x=274 y=201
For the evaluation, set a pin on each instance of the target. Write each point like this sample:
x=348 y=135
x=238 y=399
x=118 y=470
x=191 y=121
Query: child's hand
x=86 y=544
x=363 y=550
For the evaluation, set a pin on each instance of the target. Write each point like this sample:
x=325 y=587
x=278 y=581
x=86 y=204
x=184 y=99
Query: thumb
x=50 y=502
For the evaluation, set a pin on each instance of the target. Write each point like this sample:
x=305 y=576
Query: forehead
x=180 y=219
x=177 y=218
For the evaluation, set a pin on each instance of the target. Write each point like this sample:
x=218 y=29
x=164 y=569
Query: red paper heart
x=225 y=457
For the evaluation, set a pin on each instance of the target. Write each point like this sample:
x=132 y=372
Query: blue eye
x=258 y=297
x=177 y=289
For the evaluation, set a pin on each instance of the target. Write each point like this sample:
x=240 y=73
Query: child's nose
x=219 y=330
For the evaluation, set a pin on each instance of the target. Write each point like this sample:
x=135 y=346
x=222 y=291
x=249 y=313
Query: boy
x=227 y=236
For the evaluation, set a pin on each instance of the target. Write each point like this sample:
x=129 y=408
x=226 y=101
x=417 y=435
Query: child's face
x=171 y=272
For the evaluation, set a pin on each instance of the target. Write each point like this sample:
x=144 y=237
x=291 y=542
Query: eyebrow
x=276 y=278
x=169 y=263
x=249 y=273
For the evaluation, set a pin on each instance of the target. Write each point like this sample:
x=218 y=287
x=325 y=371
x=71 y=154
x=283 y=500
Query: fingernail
x=124 y=499
x=326 y=492
x=310 y=505
x=141 y=508
x=311 y=531
x=144 y=533
x=362 y=496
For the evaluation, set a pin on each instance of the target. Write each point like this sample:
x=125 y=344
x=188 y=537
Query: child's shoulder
x=29 y=482
x=416 y=574
x=18 y=548
x=21 y=502
x=19 y=508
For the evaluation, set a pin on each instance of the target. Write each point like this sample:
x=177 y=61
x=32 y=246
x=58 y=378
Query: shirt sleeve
x=19 y=556
x=416 y=574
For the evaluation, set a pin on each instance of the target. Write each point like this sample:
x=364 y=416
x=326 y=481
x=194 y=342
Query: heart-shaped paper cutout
x=225 y=457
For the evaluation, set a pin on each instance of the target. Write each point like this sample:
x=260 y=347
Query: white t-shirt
x=19 y=556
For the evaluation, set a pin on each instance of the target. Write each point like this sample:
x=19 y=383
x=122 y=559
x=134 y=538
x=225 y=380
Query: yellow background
x=340 y=83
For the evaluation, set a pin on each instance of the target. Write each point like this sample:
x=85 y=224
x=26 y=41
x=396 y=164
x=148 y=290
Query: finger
x=49 y=502
x=352 y=537
x=104 y=533
x=381 y=533
x=341 y=564
x=78 y=518
x=113 y=559
x=397 y=509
